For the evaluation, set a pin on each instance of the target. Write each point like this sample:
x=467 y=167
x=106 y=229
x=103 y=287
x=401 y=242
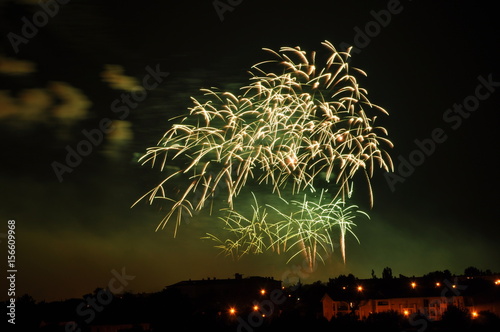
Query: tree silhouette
x=387 y=273
x=472 y=271
x=456 y=319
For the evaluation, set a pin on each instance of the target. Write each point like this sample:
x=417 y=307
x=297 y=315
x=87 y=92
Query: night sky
x=424 y=62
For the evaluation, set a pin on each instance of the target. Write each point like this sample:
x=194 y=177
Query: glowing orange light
x=255 y=307
x=438 y=284
x=262 y=291
x=454 y=286
x=474 y=314
x=232 y=311
x=343 y=287
x=413 y=284
x=497 y=282
x=406 y=312
x=360 y=288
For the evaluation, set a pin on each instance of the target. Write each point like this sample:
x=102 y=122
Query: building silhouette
x=212 y=296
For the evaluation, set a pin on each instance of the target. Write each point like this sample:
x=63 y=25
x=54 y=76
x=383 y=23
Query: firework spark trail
x=307 y=230
x=293 y=122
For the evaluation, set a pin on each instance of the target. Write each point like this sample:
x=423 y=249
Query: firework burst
x=295 y=123
x=305 y=230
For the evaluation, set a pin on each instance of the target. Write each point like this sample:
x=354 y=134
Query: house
x=409 y=296
x=432 y=307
